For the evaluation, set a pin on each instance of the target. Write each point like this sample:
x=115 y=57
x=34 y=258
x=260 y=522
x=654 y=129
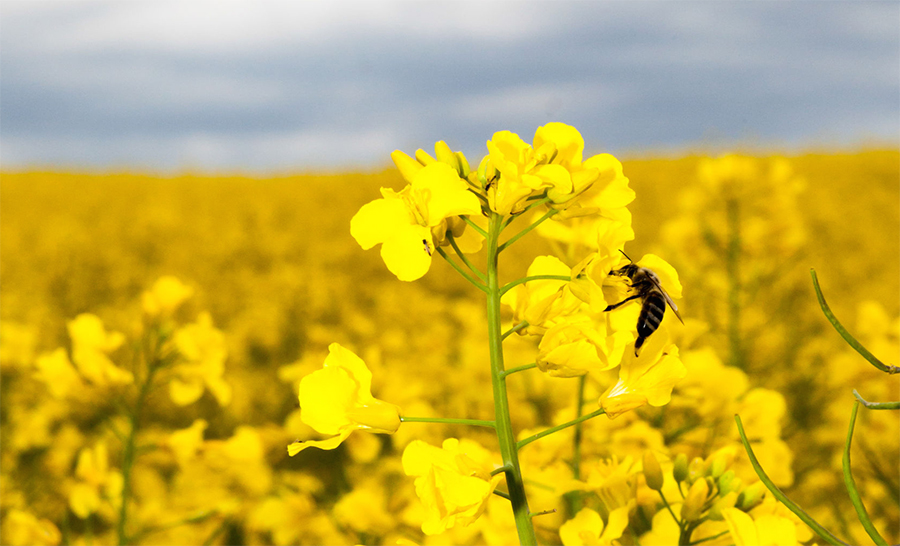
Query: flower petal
x=378 y=221
x=407 y=253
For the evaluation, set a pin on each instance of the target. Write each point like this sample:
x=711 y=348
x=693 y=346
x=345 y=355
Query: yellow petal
x=328 y=443
x=668 y=277
x=325 y=397
x=587 y=524
x=444 y=193
x=379 y=221
x=185 y=392
x=408 y=166
x=408 y=253
x=741 y=526
x=566 y=139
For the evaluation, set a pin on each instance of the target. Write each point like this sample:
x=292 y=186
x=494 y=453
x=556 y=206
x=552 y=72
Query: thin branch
x=507 y=373
x=448 y=421
x=850 y=483
x=474 y=226
x=462 y=271
x=522 y=443
x=513 y=217
x=876 y=405
x=857 y=346
x=465 y=260
x=514 y=329
x=806 y=518
x=509 y=286
x=525 y=231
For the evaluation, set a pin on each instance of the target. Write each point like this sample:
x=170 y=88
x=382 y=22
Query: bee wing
x=665 y=294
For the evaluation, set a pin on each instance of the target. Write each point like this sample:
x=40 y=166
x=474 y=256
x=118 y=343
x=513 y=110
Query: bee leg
x=623 y=302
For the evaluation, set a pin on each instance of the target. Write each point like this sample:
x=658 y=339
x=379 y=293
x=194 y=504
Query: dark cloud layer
x=267 y=86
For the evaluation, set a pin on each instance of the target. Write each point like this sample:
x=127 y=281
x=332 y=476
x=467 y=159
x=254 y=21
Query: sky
x=269 y=86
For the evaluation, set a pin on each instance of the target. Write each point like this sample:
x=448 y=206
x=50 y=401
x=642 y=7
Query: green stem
x=713 y=537
x=505 y=436
x=448 y=421
x=509 y=286
x=513 y=218
x=525 y=231
x=857 y=346
x=518 y=369
x=514 y=329
x=826 y=535
x=850 y=483
x=474 y=226
x=129 y=452
x=669 y=508
x=465 y=260
x=461 y=271
x=876 y=405
x=557 y=428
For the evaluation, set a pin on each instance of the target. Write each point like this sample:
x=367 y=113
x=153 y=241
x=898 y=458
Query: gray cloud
x=268 y=86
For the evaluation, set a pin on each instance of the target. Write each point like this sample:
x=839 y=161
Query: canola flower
x=516 y=177
x=200 y=474
x=337 y=400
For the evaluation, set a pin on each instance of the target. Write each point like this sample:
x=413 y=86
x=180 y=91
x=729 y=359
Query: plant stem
x=557 y=428
x=522 y=233
x=462 y=257
x=857 y=346
x=824 y=533
x=850 y=484
x=461 y=271
x=129 y=454
x=505 y=436
x=518 y=369
x=448 y=421
x=509 y=286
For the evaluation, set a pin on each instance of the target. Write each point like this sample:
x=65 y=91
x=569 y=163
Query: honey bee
x=654 y=298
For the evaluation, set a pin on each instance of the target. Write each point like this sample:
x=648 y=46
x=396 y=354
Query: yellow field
x=272 y=262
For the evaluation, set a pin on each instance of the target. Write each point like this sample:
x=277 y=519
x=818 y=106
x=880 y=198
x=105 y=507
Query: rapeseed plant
x=215 y=470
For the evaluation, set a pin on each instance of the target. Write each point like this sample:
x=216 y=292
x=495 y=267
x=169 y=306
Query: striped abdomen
x=652 y=310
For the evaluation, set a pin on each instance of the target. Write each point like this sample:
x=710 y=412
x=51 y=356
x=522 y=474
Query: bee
x=654 y=298
x=427 y=246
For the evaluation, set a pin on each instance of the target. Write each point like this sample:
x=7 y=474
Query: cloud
x=231 y=84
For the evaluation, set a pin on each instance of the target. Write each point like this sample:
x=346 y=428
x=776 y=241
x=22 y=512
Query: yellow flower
x=409 y=167
x=574 y=348
x=165 y=296
x=542 y=302
x=95 y=481
x=408 y=224
x=91 y=344
x=587 y=528
x=201 y=348
x=57 y=372
x=765 y=529
x=453 y=482
x=337 y=400
x=22 y=528
x=645 y=379
x=186 y=442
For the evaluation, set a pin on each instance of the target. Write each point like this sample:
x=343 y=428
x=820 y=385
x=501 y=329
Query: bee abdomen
x=651 y=315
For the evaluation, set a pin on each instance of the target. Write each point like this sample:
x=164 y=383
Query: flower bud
x=424 y=157
x=696 y=469
x=680 y=470
x=464 y=169
x=751 y=496
x=692 y=508
x=717 y=467
x=725 y=482
x=726 y=501
x=652 y=471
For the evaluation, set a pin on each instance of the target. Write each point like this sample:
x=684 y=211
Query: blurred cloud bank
x=268 y=86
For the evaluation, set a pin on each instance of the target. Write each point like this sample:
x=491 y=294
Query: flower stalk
x=505 y=436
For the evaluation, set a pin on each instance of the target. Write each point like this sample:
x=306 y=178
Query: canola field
x=155 y=331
